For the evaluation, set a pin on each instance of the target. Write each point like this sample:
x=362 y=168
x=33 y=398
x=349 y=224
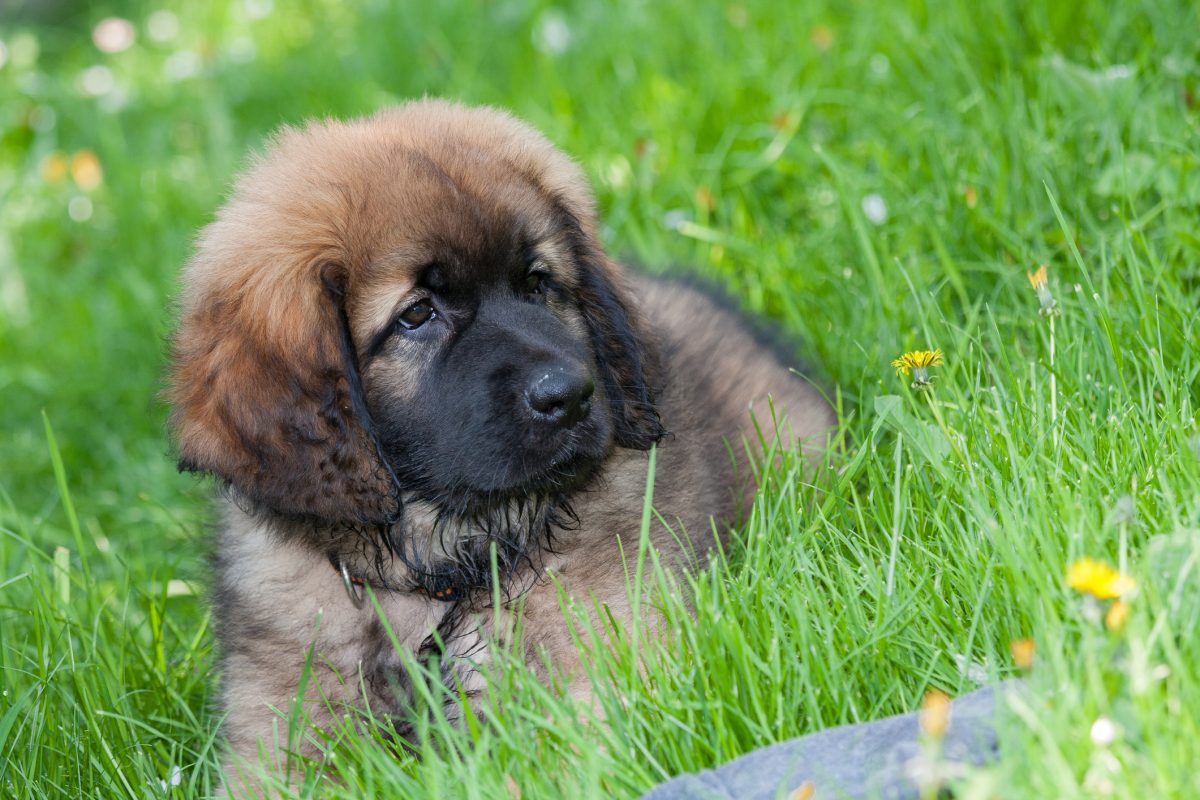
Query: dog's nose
x=560 y=395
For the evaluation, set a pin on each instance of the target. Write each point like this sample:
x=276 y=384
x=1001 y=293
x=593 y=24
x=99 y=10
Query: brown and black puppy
x=401 y=347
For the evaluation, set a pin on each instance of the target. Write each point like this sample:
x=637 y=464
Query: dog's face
x=414 y=304
x=477 y=363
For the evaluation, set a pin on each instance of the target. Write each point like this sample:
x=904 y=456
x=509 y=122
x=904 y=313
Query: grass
x=873 y=177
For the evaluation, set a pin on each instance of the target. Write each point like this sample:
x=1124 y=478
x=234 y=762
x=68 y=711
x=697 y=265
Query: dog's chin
x=564 y=473
x=557 y=476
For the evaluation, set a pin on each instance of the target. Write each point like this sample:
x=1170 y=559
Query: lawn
x=873 y=177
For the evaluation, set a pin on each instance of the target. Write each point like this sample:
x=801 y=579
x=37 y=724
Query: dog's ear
x=624 y=361
x=265 y=392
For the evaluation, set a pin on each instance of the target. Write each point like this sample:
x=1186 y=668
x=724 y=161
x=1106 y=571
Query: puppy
x=405 y=354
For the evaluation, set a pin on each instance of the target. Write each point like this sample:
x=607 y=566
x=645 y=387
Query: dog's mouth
x=565 y=472
x=462 y=521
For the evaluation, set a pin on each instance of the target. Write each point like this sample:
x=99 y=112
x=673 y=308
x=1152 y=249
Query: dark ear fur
x=625 y=362
x=264 y=397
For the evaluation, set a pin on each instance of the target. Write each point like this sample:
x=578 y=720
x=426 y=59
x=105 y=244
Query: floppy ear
x=265 y=394
x=625 y=363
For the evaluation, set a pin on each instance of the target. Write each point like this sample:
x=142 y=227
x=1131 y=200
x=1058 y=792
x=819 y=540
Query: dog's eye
x=535 y=283
x=417 y=315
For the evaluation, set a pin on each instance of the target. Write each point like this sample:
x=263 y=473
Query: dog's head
x=413 y=303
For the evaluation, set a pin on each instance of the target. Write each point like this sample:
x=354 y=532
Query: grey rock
x=868 y=761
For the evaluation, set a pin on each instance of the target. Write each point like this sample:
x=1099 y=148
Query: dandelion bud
x=804 y=791
x=1022 y=652
x=1038 y=281
x=1114 y=620
x=935 y=714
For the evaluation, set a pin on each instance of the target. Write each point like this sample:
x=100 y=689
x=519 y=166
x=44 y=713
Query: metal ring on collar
x=356 y=594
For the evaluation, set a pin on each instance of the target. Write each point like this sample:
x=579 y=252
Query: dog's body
x=405 y=353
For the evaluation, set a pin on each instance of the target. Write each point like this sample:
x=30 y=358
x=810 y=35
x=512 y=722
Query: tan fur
x=260 y=398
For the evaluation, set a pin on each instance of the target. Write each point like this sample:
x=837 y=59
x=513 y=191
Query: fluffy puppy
x=402 y=348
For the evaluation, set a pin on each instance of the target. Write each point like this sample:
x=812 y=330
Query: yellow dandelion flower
x=1022 y=652
x=1037 y=279
x=918 y=363
x=1098 y=579
x=934 y=718
x=85 y=170
x=1118 y=612
x=54 y=167
x=821 y=37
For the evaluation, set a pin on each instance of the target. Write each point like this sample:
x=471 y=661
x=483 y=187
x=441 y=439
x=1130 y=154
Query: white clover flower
x=162 y=25
x=113 y=35
x=1104 y=732
x=552 y=34
x=875 y=209
x=97 y=81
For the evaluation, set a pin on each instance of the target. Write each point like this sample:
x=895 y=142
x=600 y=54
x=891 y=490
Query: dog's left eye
x=535 y=283
x=417 y=315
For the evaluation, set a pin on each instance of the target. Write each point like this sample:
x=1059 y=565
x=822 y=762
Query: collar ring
x=356 y=593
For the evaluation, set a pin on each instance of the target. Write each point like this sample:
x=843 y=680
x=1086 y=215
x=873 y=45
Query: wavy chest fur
x=278 y=598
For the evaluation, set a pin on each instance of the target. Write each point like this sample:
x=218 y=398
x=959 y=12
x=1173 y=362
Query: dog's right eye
x=416 y=315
